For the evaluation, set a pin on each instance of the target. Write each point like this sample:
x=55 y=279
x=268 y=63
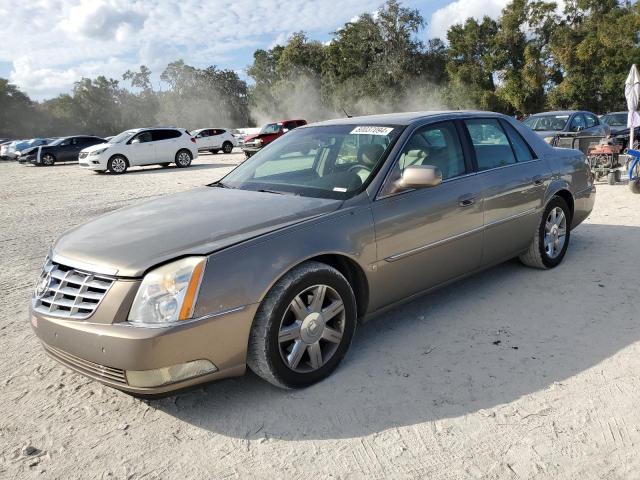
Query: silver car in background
x=274 y=265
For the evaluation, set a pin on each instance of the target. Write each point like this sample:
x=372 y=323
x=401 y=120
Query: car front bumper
x=93 y=162
x=107 y=352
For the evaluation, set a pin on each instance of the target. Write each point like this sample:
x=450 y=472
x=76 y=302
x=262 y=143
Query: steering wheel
x=358 y=167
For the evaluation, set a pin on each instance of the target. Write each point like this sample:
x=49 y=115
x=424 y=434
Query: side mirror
x=135 y=140
x=420 y=176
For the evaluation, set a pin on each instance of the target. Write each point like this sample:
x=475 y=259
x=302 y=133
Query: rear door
x=166 y=145
x=428 y=236
x=513 y=182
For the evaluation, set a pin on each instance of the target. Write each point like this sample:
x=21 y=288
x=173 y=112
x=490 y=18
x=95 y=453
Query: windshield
x=615 y=119
x=122 y=137
x=270 y=128
x=333 y=161
x=542 y=123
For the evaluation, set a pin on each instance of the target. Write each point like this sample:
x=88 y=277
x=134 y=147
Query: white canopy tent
x=632 y=92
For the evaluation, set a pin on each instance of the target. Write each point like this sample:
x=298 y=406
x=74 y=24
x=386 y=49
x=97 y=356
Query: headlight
x=259 y=141
x=549 y=139
x=98 y=152
x=168 y=294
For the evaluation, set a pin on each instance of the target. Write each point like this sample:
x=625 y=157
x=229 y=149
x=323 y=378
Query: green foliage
x=533 y=57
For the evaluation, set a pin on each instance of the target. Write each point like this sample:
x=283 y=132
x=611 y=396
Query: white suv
x=215 y=139
x=141 y=146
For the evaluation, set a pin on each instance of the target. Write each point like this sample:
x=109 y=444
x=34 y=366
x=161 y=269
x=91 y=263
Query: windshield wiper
x=220 y=185
x=277 y=192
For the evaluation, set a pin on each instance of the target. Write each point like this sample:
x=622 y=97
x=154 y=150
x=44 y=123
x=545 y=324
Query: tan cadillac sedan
x=274 y=266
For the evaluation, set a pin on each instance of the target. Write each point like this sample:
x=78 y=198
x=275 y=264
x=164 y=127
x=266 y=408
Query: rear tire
x=117 y=164
x=47 y=160
x=303 y=327
x=227 y=147
x=551 y=239
x=183 y=158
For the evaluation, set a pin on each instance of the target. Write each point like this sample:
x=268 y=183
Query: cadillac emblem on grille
x=43 y=284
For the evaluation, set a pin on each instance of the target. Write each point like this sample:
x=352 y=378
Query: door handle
x=538 y=180
x=466 y=201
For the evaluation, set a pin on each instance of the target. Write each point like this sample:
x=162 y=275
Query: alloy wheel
x=118 y=165
x=555 y=232
x=312 y=328
x=47 y=159
x=184 y=158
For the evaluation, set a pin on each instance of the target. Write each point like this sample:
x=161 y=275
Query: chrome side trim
x=184 y=322
x=399 y=256
x=87 y=267
x=512 y=217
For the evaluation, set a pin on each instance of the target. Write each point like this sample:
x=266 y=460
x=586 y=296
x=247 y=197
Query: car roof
x=561 y=112
x=406 y=118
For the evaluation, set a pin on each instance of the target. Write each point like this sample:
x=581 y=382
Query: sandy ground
x=514 y=373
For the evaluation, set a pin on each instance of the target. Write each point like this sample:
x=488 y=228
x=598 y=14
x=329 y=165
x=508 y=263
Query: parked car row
x=135 y=147
x=11 y=149
x=578 y=123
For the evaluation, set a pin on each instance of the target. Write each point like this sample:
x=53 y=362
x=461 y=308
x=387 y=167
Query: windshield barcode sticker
x=371 y=130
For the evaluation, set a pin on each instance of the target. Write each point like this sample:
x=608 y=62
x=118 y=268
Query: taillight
x=193 y=140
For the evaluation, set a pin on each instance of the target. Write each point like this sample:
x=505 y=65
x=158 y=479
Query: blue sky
x=49 y=44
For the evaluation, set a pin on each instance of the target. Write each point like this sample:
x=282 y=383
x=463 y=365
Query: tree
x=15 y=110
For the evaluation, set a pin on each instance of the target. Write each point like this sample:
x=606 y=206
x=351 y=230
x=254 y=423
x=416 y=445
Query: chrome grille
x=69 y=293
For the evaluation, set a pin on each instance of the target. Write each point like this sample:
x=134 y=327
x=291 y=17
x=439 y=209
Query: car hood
x=548 y=133
x=130 y=241
x=96 y=147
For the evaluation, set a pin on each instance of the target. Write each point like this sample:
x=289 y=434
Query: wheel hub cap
x=312 y=328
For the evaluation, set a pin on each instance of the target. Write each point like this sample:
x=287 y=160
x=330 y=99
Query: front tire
x=303 y=328
x=183 y=158
x=227 y=147
x=117 y=165
x=551 y=239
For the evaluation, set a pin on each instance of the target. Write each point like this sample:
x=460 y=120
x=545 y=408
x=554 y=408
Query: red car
x=271 y=131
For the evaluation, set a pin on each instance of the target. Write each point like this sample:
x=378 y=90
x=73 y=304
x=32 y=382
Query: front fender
x=243 y=274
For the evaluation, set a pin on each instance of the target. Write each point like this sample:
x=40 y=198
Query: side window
x=290 y=125
x=591 y=120
x=164 y=134
x=437 y=145
x=520 y=146
x=144 y=137
x=490 y=143
x=577 y=123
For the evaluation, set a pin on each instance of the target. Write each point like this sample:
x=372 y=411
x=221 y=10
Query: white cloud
x=458 y=11
x=52 y=43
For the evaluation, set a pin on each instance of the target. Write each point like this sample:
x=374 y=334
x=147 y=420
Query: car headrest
x=370 y=154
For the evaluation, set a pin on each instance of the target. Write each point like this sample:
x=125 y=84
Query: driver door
x=142 y=149
x=432 y=235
